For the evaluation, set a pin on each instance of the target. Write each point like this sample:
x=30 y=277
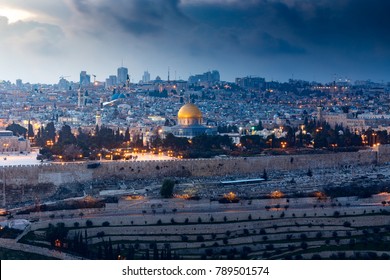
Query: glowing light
x=15 y=15
x=230 y=196
x=57 y=243
x=182 y=196
x=277 y=194
x=383 y=193
x=133 y=197
x=320 y=195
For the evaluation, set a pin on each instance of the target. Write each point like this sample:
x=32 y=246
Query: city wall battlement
x=37 y=179
x=78 y=172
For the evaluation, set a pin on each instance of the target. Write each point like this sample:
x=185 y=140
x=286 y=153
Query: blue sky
x=41 y=40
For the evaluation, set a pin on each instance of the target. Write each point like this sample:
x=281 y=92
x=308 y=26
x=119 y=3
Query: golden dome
x=189 y=111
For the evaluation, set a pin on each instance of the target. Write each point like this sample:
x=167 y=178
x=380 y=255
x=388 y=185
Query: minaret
x=99 y=118
x=80 y=102
x=319 y=113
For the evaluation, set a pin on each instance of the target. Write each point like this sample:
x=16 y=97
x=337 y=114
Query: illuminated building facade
x=13 y=144
x=190 y=123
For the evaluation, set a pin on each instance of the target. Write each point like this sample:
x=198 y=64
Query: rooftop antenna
x=168 y=74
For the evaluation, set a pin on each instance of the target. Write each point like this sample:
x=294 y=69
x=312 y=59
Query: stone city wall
x=32 y=182
x=78 y=172
x=383 y=154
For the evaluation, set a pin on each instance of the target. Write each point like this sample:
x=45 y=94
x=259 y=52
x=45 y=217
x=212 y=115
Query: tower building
x=85 y=79
x=82 y=98
x=146 y=77
x=122 y=76
x=99 y=118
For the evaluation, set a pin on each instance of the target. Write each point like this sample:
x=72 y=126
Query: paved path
x=13 y=245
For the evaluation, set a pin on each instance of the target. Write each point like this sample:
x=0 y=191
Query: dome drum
x=189 y=111
x=189 y=115
x=190 y=122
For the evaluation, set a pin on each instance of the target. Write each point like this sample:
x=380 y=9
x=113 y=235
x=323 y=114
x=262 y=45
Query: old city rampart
x=44 y=179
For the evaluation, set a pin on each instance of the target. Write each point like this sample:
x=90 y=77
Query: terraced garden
x=330 y=233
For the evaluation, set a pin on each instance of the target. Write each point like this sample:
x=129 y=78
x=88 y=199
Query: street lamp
x=270 y=143
x=364 y=139
x=49 y=143
x=5 y=146
x=374 y=139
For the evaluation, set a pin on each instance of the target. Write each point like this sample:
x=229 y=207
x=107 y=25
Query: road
x=12 y=244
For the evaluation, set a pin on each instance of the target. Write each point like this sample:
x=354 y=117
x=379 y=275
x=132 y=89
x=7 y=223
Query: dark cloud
x=137 y=17
x=83 y=6
x=263 y=37
x=359 y=24
x=270 y=44
x=200 y=28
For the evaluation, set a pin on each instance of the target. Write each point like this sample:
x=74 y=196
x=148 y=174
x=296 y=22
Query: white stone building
x=13 y=144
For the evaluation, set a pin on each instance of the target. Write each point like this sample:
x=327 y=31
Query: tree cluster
x=71 y=147
x=166 y=190
x=58 y=232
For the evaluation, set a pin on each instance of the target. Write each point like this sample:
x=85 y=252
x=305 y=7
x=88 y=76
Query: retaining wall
x=21 y=178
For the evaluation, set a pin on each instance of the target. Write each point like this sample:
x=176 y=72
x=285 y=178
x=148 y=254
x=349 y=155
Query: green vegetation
x=296 y=238
x=17 y=129
x=9 y=233
x=56 y=233
x=89 y=223
x=356 y=190
x=166 y=190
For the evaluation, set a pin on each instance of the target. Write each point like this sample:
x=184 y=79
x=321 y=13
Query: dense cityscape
x=94 y=123
x=194 y=130
x=254 y=113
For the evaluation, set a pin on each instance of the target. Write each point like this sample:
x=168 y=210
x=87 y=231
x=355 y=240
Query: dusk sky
x=41 y=40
